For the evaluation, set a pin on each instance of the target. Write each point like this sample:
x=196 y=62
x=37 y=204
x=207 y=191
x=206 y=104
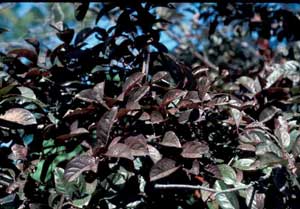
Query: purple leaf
x=163 y=168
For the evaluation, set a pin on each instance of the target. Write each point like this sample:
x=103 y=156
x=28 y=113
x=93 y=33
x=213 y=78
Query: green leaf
x=294 y=137
x=268 y=147
x=27 y=92
x=6 y=89
x=60 y=158
x=61 y=185
x=237 y=116
x=244 y=164
x=228 y=174
x=82 y=202
x=269 y=159
x=37 y=174
x=226 y=200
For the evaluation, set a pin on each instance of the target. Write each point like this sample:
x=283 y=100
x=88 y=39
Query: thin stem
x=146 y=62
x=195 y=187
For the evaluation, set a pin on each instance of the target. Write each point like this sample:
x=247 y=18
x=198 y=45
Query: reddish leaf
x=78 y=165
x=114 y=141
x=194 y=149
x=20 y=116
x=163 y=168
x=104 y=126
x=136 y=95
x=214 y=170
x=138 y=145
x=74 y=133
x=93 y=95
x=203 y=86
x=132 y=81
x=119 y=150
x=170 y=140
x=184 y=116
x=160 y=76
x=156 y=117
x=79 y=112
x=172 y=95
x=192 y=96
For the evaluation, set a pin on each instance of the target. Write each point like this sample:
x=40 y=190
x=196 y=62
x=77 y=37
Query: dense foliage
x=109 y=118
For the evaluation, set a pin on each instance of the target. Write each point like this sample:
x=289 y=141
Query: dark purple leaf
x=138 y=145
x=163 y=168
x=156 y=117
x=104 y=126
x=172 y=95
x=78 y=165
x=119 y=150
x=161 y=75
x=192 y=96
x=213 y=169
x=74 y=133
x=184 y=116
x=136 y=95
x=203 y=86
x=194 y=149
x=132 y=81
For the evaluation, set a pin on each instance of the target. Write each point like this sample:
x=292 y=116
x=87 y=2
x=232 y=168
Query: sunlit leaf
x=226 y=200
x=154 y=153
x=244 y=164
x=228 y=173
x=282 y=131
x=19 y=116
x=170 y=140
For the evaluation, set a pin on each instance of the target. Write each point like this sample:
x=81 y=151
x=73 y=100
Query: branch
x=195 y=187
x=194 y=52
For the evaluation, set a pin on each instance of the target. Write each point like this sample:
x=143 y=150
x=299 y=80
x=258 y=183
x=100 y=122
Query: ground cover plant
x=110 y=117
